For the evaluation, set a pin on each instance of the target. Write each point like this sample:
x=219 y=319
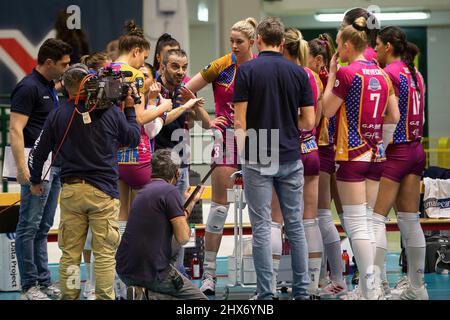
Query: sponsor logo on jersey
x=374 y=84
x=139 y=82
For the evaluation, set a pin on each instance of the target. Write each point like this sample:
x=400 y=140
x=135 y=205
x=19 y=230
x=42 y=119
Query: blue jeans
x=177 y=250
x=288 y=183
x=36 y=216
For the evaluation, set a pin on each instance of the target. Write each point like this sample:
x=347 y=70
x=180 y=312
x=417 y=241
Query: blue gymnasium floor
x=438 y=285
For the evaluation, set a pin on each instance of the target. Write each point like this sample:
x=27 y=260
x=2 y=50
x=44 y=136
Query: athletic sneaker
x=412 y=293
x=400 y=286
x=52 y=291
x=208 y=286
x=323 y=282
x=356 y=294
x=34 y=293
x=333 y=290
x=386 y=289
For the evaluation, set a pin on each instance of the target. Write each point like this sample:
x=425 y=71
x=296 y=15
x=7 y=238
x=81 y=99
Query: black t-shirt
x=274 y=88
x=34 y=96
x=145 y=250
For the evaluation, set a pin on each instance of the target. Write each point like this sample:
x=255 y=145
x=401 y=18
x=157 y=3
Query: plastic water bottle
x=195 y=267
x=345 y=263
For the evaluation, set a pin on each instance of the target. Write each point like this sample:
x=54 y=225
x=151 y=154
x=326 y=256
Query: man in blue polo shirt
x=31 y=101
x=89 y=173
x=273 y=99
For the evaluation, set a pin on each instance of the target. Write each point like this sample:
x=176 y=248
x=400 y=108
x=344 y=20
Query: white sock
x=331 y=243
x=314 y=274
x=276 y=267
x=379 y=229
x=323 y=265
x=209 y=263
x=409 y=225
x=334 y=256
x=315 y=245
x=369 y=212
x=355 y=219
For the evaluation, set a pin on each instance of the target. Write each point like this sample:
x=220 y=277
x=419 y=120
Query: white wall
x=438 y=85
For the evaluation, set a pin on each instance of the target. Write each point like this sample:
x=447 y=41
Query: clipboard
x=10 y=169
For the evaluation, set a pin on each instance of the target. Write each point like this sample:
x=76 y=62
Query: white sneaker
x=356 y=294
x=323 y=282
x=34 y=293
x=386 y=289
x=52 y=292
x=208 y=286
x=412 y=293
x=333 y=290
x=400 y=286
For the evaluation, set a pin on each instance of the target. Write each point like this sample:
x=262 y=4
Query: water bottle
x=345 y=263
x=195 y=267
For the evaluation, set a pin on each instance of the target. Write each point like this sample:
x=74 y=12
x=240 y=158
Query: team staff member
x=400 y=183
x=270 y=92
x=32 y=100
x=221 y=74
x=157 y=215
x=89 y=174
x=361 y=93
x=296 y=50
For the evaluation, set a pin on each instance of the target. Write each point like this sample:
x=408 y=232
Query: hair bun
x=252 y=21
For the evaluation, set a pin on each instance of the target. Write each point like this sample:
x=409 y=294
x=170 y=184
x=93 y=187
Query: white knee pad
x=355 y=220
x=411 y=230
x=327 y=228
x=313 y=236
x=216 y=218
x=276 y=239
x=379 y=229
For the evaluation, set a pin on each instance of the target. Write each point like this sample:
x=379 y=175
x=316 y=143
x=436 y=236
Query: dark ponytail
x=324 y=46
x=406 y=50
x=164 y=40
x=133 y=37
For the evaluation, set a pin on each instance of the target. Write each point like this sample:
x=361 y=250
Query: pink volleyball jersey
x=221 y=73
x=370 y=54
x=411 y=102
x=317 y=90
x=365 y=89
x=139 y=155
x=327 y=127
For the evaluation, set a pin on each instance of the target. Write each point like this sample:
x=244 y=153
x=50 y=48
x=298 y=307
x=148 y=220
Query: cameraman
x=89 y=173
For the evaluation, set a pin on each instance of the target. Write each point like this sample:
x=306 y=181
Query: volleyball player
x=360 y=94
x=221 y=73
x=400 y=183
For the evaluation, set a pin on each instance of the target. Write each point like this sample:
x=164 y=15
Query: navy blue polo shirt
x=89 y=151
x=145 y=250
x=34 y=96
x=275 y=88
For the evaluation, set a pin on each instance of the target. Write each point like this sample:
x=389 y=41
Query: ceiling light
x=383 y=16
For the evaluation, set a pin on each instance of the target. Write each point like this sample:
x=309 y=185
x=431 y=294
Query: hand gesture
x=334 y=63
x=155 y=89
x=184 y=95
x=164 y=103
x=194 y=102
x=219 y=122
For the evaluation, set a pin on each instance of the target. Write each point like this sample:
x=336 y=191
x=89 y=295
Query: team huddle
x=356 y=124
